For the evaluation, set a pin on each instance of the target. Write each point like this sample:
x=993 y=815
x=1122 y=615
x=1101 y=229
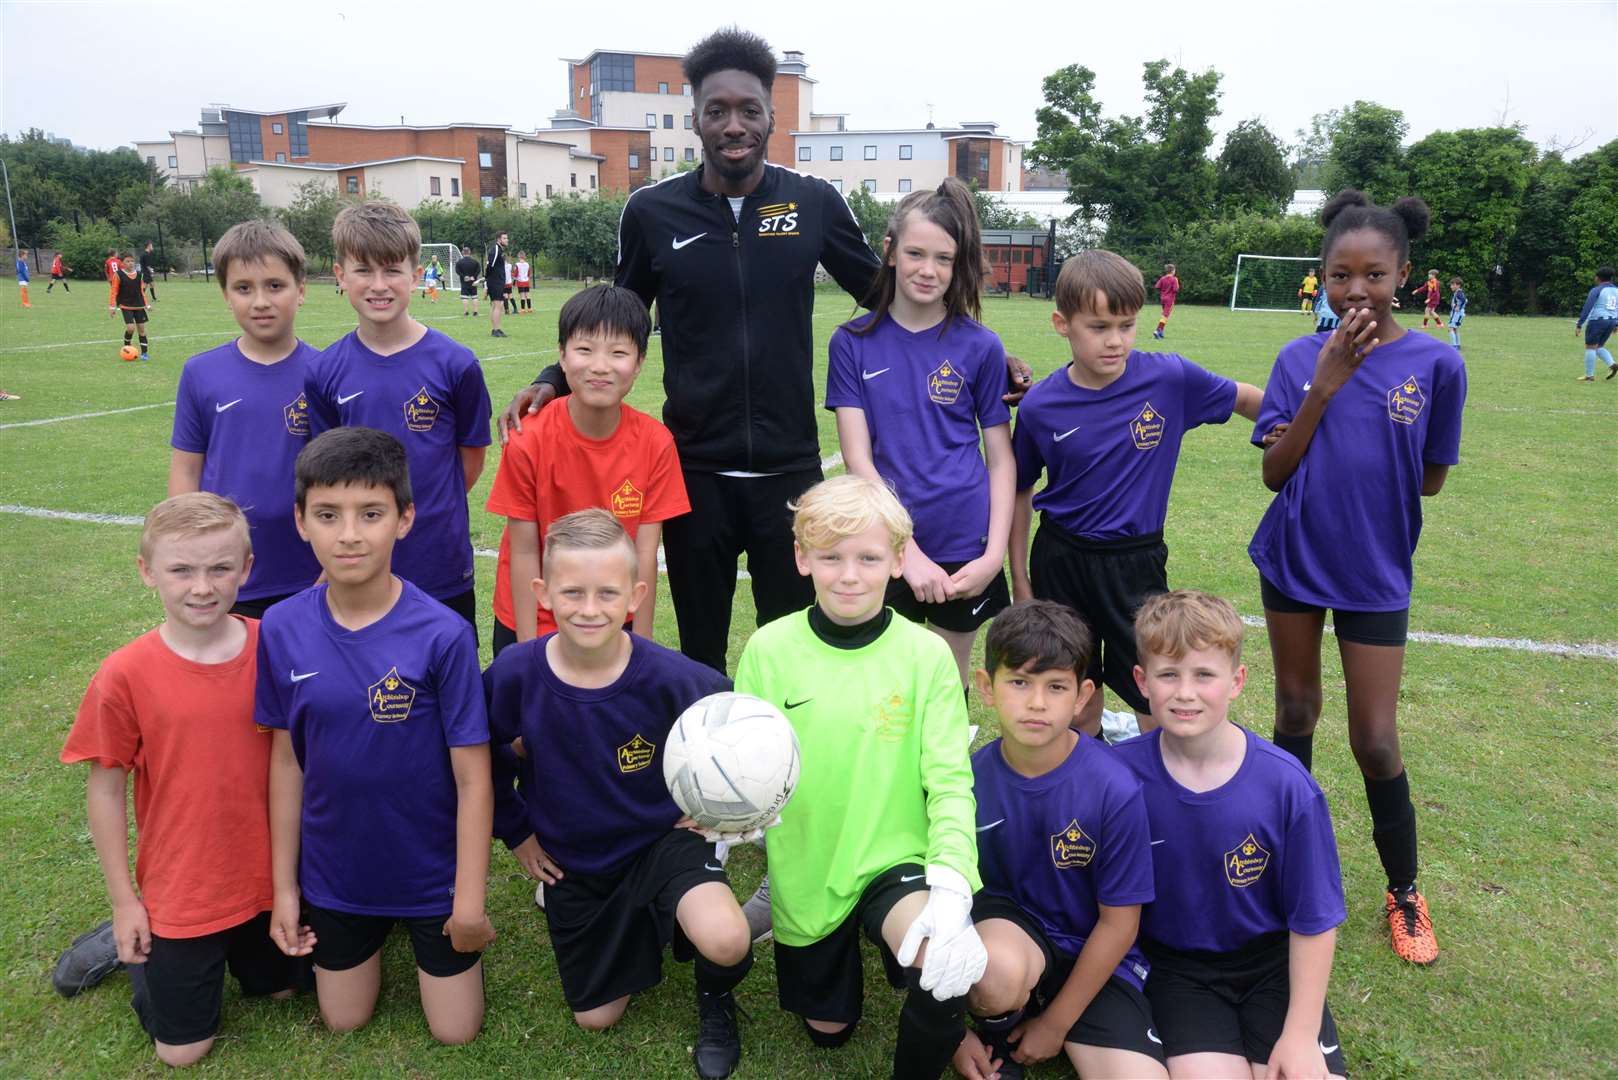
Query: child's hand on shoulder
x=132 y=930
x=1344 y=352
x=1296 y=1057
x=469 y=933
x=289 y=935
x=536 y=861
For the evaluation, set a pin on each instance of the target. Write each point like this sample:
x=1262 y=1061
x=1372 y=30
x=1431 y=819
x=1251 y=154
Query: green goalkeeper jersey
x=886 y=772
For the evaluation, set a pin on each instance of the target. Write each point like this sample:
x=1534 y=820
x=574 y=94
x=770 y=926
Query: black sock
x=711 y=978
x=829 y=1040
x=1393 y=828
x=1301 y=747
x=929 y=1032
x=128 y=336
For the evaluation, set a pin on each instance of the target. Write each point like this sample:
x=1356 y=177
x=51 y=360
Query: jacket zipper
x=747 y=362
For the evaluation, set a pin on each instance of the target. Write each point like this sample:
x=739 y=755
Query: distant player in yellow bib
x=1306 y=292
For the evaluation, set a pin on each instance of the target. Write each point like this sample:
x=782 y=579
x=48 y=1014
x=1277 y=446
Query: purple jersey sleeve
x=989 y=385
x=460 y=692
x=322 y=410
x=1124 y=873
x=269 y=709
x=190 y=421
x=1312 y=880
x=1283 y=393
x=471 y=403
x=842 y=371
x=1207 y=398
x=1443 y=444
x=1030 y=462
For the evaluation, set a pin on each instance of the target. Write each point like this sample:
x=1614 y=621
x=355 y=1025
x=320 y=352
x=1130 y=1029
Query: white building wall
x=927 y=165
x=278 y=185
x=539 y=163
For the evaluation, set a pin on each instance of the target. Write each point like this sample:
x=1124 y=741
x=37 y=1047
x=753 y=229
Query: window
x=806 y=153
x=434 y=186
x=662 y=88
x=668 y=120
x=612 y=71
x=151 y=159
x=837 y=153
x=836 y=182
x=592 y=181
x=485 y=160
x=275 y=129
x=549 y=191
x=983 y=162
x=581 y=92
x=651 y=119
x=687 y=119
x=654 y=153
x=685 y=89
x=870 y=153
x=353 y=185
x=455 y=186
x=634 y=161
x=298 y=137
x=522 y=191
x=904 y=185
x=280 y=156
x=246 y=137
x=870 y=185
x=668 y=153
x=488 y=200
x=690 y=153
x=174 y=162
x=573 y=179
x=904 y=151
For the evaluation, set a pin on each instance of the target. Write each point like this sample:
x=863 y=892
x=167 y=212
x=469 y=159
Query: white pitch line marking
x=222 y=334
x=84 y=415
x=1596 y=650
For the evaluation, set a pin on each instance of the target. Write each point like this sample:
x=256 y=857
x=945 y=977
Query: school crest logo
x=944 y=383
x=420 y=411
x=635 y=754
x=1146 y=430
x=893 y=718
x=390 y=698
x=1406 y=401
x=296 y=415
x=1246 y=862
x=1072 y=847
x=778 y=219
x=626 y=500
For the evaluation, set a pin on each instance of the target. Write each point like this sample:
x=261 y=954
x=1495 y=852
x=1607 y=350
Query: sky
x=109 y=72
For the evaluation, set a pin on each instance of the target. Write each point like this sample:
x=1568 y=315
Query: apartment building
x=906 y=159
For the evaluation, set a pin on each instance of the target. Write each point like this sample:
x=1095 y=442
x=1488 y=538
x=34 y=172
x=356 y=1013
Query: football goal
x=447 y=254
x=1269 y=282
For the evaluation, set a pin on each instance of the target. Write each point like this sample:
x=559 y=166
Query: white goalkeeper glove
x=955 y=955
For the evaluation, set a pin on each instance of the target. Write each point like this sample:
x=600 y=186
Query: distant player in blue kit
x=242 y=416
x=1105 y=431
x=1599 y=318
x=419 y=385
x=911 y=384
x=593 y=706
x=1249 y=894
x=1066 y=859
x=1372 y=419
x=1457 y=310
x=381 y=803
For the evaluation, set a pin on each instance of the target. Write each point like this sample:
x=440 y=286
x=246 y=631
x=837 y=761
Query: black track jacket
x=736 y=300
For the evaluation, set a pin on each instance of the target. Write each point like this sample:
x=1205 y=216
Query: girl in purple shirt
x=1370 y=422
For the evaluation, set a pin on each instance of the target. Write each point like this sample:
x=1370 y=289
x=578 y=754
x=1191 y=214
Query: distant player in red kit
x=1168 y=287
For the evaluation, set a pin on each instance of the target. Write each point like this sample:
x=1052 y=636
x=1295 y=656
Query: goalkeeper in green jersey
x=879 y=837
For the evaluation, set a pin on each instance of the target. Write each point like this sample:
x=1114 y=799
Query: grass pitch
x=1512 y=753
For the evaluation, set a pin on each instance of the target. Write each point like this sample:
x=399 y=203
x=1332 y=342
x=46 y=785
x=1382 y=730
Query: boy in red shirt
x=174 y=707
x=586 y=449
x=58 y=273
x=1168 y=287
x=111 y=266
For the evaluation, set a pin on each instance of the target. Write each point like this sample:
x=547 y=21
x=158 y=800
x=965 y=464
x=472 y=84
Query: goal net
x=447 y=254
x=1269 y=282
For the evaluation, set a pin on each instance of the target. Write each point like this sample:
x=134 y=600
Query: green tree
x=1313 y=147
x=1367 y=152
x=584 y=233
x=203 y=213
x=84 y=248
x=37 y=200
x=872 y=215
x=1541 y=269
x=310 y=215
x=994 y=214
x=1252 y=171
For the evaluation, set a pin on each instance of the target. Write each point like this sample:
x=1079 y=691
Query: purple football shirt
x=432 y=398
x=1061 y=843
x=924 y=397
x=1357 y=488
x=249 y=421
x=1109 y=454
x=372 y=714
x=1254 y=856
x=594 y=772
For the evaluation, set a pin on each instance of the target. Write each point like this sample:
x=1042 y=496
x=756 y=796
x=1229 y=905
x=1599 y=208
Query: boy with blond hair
x=417 y=384
x=1105 y=432
x=242 y=415
x=878 y=839
x=174 y=709
x=1248 y=891
x=588 y=449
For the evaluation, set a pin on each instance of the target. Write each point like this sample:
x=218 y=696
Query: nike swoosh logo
x=342 y=400
x=678 y=244
x=990 y=825
x=1324 y=1049
x=715 y=869
x=795 y=704
x=1152 y=1035
x=1066 y=433
x=1157 y=842
x=1306 y=386
x=872 y=374
x=218 y=408
x=913 y=877
x=299 y=678
x=979 y=608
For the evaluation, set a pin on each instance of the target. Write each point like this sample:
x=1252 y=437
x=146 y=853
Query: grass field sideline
x=1512 y=754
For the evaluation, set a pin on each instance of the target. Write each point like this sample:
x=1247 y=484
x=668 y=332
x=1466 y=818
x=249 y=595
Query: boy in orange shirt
x=174 y=707
x=586 y=449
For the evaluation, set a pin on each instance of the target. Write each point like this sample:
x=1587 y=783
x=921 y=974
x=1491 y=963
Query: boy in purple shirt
x=380 y=799
x=1066 y=861
x=1106 y=430
x=1249 y=894
x=591 y=708
x=396 y=375
x=242 y=416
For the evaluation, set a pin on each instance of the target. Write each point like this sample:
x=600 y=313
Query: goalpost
x=447 y=254
x=1269 y=282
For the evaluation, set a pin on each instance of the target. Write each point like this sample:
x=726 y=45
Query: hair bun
x=1412 y=210
x=1342 y=201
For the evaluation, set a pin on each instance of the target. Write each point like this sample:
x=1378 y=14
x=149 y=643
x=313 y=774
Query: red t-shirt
x=56 y=265
x=112 y=267
x=1168 y=286
x=1430 y=292
x=202 y=774
x=550 y=470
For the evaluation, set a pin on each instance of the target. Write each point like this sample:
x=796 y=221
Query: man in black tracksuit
x=729 y=251
x=494 y=280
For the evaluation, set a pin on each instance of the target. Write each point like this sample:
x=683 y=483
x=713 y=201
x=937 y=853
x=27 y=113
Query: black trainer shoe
x=497 y=333
x=1612 y=369
x=719 y=1043
x=90 y=959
